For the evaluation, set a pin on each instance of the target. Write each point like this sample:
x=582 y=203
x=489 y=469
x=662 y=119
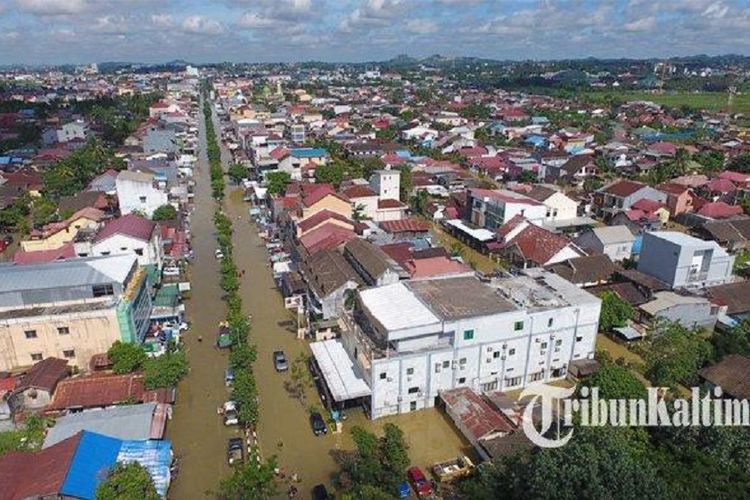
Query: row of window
x=61 y=330
x=67 y=353
x=517 y=327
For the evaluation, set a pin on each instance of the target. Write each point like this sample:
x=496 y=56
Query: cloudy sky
x=81 y=31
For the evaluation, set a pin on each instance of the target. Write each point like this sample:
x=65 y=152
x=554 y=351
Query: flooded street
x=198 y=434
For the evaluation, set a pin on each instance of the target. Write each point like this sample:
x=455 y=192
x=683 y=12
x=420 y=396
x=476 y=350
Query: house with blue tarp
x=75 y=467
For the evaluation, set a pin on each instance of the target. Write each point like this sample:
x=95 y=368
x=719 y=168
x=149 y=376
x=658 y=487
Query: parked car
x=319 y=492
x=404 y=490
x=171 y=271
x=228 y=377
x=219 y=254
x=279 y=361
x=421 y=485
x=229 y=410
x=318 y=424
x=235 y=451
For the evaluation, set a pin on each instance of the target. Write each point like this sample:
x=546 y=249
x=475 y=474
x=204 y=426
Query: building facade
x=412 y=340
x=71 y=309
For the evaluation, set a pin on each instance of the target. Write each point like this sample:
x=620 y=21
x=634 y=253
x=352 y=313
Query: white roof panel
x=396 y=307
x=338 y=370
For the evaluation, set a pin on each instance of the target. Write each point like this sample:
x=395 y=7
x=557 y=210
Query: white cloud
x=716 y=10
x=162 y=20
x=200 y=25
x=421 y=26
x=643 y=24
x=253 y=20
x=53 y=7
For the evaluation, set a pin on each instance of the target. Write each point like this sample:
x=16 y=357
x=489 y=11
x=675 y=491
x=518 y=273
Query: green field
x=711 y=101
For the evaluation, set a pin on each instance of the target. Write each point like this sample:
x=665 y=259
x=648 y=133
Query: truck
x=451 y=470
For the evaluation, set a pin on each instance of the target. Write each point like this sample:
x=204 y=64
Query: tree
x=127 y=481
x=164 y=212
x=675 y=354
x=740 y=163
x=126 y=358
x=255 y=479
x=300 y=379
x=237 y=172
x=27 y=438
x=598 y=462
x=616 y=312
x=734 y=341
x=277 y=182
x=245 y=394
x=43 y=211
x=165 y=371
x=332 y=173
x=377 y=466
x=406 y=183
x=419 y=201
x=528 y=177
x=615 y=381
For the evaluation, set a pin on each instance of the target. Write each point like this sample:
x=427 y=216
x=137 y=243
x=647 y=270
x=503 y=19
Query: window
x=496 y=354
x=536 y=376
x=437 y=367
x=139 y=251
x=462 y=361
x=102 y=290
x=468 y=334
x=579 y=338
x=510 y=382
x=69 y=353
x=105 y=253
x=123 y=249
x=30 y=334
x=63 y=330
x=543 y=346
x=558 y=342
x=462 y=380
x=518 y=325
x=413 y=406
x=410 y=371
x=142 y=199
x=512 y=352
x=413 y=390
x=37 y=356
x=446 y=364
x=383 y=376
x=549 y=322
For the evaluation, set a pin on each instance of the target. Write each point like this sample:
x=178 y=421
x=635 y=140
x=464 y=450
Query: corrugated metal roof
x=68 y=273
x=396 y=307
x=121 y=422
x=94 y=457
x=338 y=370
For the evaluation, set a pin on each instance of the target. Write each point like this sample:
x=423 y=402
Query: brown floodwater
x=283 y=430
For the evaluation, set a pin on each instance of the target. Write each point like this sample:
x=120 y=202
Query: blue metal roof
x=94 y=457
x=308 y=152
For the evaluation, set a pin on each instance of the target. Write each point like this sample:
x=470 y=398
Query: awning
x=480 y=234
x=338 y=371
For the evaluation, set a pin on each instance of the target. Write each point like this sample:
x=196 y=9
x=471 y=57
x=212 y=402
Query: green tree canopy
x=126 y=357
x=237 y=172
x=255 y=479
x=616 y=312
x=164 y=212
x=675 y=354
x=166 y=370
x=277 y=182
x=127 y=482
x=615 y=381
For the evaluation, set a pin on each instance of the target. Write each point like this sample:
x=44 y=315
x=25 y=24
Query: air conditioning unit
x=399 y=399
x=489 y=349
x=389 y=379
x=502 y=357
x=505 y=346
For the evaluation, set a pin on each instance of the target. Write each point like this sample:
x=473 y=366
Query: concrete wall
x=140 y=196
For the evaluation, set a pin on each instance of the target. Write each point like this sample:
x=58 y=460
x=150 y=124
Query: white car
x=171 y=271
x=229 y=410
x=219 y=254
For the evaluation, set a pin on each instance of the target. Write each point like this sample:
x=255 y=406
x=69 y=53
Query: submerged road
x=198 y=434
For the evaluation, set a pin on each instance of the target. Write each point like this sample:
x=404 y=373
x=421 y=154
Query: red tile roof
x=672 y=188
x=359 y=191
x=320 y=217
x=37 y=475
x=720 y=185
x=105 y=390
x=390 y=204
x=719 y=210
x=279 y=153
x=313 y=193
x=131 y=225
x=23 y=257
x=647 y=205
x=434 y=266
x=46 y=375
x=534 y=243
x=400 y=252
x=326 y=237
x=475 y=415
x=736 y=177
x=405 y=226
x=623 y=188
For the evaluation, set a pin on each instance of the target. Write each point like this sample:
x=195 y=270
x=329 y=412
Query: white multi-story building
x=139 y=192
x=411 y=340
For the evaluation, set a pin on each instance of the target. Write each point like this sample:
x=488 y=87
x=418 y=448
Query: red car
x=421 y=485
